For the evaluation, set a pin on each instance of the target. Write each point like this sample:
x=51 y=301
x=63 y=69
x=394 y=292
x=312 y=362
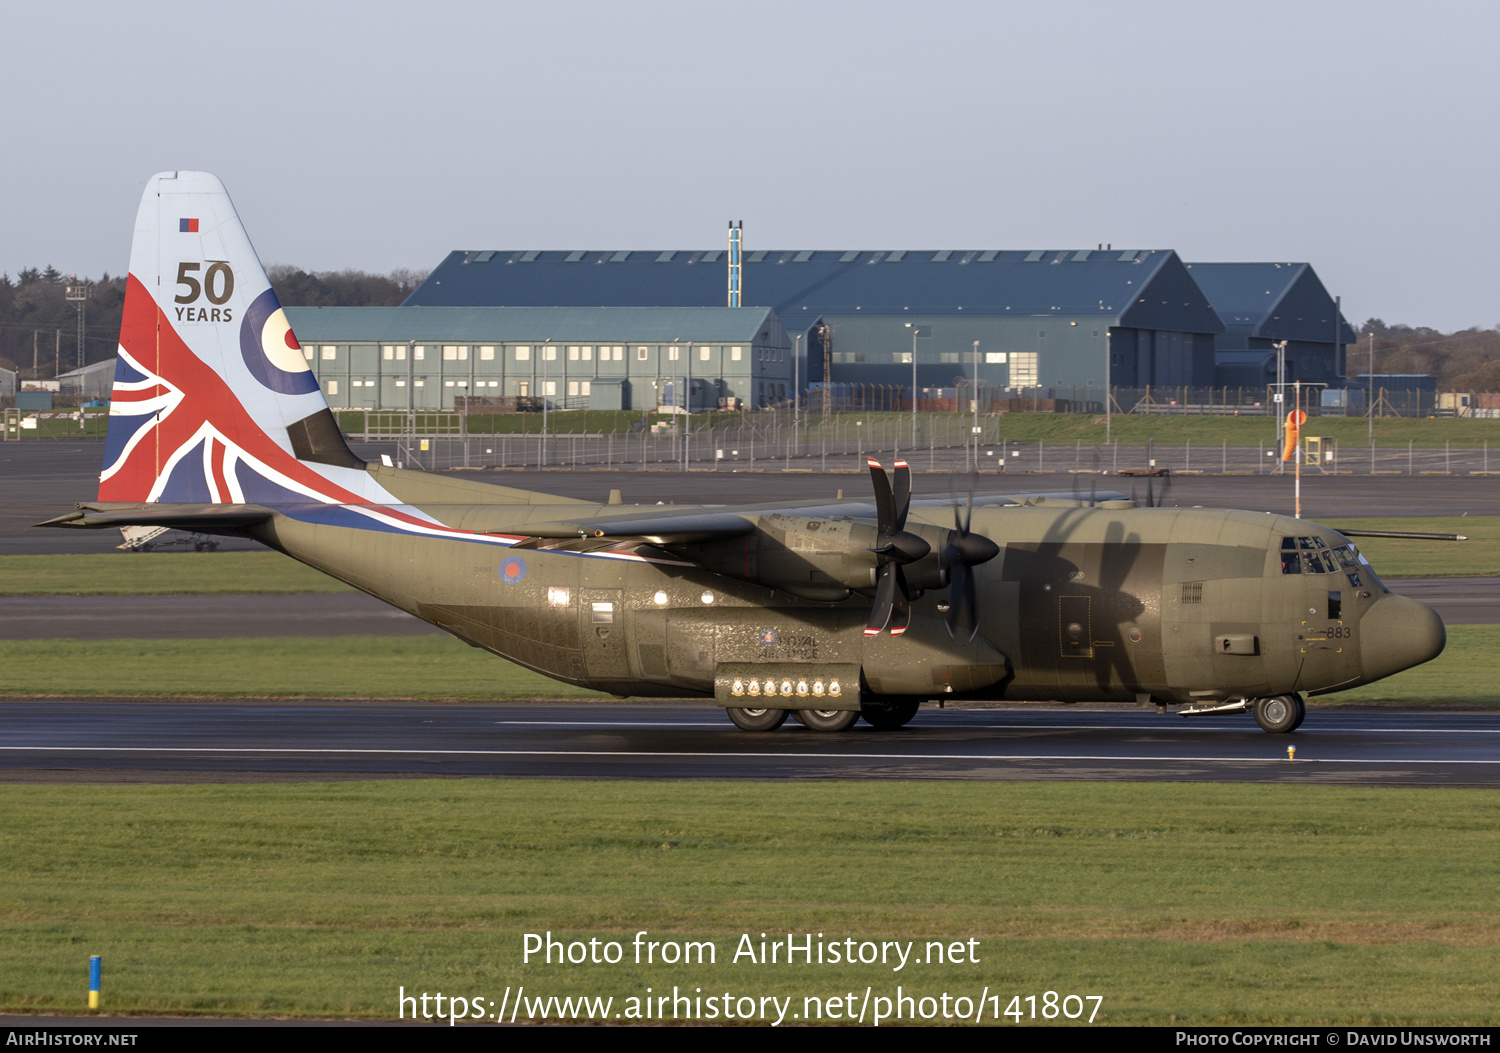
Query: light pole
x=797 y=380
x=974 y=395
x=915 y=329
x=1280 y=397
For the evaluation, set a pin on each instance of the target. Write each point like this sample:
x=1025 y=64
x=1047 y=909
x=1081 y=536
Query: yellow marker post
x=1291 y=753
x=96 y=967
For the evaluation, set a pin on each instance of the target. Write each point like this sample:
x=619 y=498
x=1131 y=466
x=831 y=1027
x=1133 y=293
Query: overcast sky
x=1360 y=136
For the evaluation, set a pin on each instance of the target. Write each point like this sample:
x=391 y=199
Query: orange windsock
x=1294 y=422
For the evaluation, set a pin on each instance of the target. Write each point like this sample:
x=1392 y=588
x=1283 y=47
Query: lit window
x=387 y=352
x=450 y=354
x=902 y=357
x=330 y=353
x=573 y=353
x=487 y=353
x=549 y=353
x=671 y=352
x=419 y=352
x=419 y=384
x=619 y=354
x=586 y=352
x=703 y=354
x=401 y=383
x=447 y=383
x=734 y=354
x=333 y=387
x=307 y=353
x=549 y=387
x=572 y=387
x=994 y=357
x=523 y=354
x=584 y=386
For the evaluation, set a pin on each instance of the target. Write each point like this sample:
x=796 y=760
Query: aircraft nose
x=1398 y=633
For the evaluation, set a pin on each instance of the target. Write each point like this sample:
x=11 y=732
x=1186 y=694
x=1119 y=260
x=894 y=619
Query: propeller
x=963 y=551
x=894 y=548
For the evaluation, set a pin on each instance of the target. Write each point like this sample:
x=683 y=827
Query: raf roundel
x=769 y=638
x=271 y=350
x=512 y=569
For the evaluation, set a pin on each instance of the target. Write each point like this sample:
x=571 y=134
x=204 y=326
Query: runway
x=83 y=741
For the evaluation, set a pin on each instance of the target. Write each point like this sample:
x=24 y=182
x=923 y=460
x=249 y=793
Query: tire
x=1277 y=714
x=1301 y=713
x=757 y=719
x=828 y=719
x=888 y=715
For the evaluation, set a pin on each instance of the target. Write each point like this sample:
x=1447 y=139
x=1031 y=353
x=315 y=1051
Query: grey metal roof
x=558 y=324
x=1273 y=301
x=1145 y=288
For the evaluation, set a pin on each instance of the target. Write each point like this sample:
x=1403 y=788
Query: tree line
x=1464 y=360
x=38 y=323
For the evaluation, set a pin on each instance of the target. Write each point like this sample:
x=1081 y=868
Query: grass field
x=439 y=667
x=1177 y=903
x=159 y=574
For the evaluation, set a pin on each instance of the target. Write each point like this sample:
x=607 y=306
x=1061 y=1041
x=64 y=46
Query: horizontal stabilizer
x=204 y=519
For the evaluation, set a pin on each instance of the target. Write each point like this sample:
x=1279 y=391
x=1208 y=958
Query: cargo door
x=603 y=633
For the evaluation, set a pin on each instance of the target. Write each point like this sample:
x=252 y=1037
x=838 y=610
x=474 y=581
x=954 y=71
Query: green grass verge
x=425 y=667
x=160 y=574
x=1130 y=429
x=439 y=667
x=1401 y=558
x=1193 y=904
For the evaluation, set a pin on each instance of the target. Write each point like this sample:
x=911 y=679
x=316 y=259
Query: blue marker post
x=96 y=967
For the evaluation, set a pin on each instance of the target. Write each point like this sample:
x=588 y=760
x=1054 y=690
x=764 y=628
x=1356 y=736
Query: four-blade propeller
x=895 y=548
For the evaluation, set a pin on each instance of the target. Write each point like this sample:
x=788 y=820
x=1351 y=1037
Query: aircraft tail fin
x=214 y=401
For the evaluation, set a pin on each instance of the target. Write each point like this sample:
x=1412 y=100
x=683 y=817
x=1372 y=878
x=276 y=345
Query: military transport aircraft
x=829 y=612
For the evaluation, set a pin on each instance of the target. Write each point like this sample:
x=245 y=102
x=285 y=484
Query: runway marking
x=615 y=723
x=717 y=756
x=1011 y=727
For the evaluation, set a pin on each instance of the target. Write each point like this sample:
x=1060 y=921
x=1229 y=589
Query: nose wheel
x=1280 y=714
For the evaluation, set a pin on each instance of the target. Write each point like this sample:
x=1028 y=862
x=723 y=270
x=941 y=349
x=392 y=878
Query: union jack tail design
x=214 y=400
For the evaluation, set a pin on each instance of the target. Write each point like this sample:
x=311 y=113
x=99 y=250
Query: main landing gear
x=883 y=713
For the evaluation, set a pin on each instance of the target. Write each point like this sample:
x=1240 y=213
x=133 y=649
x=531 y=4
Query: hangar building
x=575 y=357
x=1261 y=304
x=1073 y=319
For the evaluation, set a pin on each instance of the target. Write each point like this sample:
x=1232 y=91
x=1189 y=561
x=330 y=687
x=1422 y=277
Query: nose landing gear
x=1280 y=713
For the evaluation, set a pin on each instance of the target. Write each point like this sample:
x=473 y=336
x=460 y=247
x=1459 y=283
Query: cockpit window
x=1311 y=555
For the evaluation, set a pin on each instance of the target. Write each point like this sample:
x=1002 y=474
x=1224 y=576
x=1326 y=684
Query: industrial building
x=1073 y=320
x=610 y=358
x=1262 y=304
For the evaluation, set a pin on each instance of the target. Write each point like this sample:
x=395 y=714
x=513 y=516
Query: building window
x=948 y=356
x=640 y=354
x=307 y=352
x=549 y=353
x=671 y=352
x=419 y=383
x=901 y=357
x=450 y=354
x=549 y=387
x=619 y=354
x=419 y=352
x=587 y=352
x=994 y=358
x=584 y=387
x=703 y=354
x=387 y=352
x=572 y=388
x=573 y=353
x=401 y=383
x=487 y=353
x=330 y=353
x=447 y=383
x=734 y=353
x=333 y=387
x=523 y=354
